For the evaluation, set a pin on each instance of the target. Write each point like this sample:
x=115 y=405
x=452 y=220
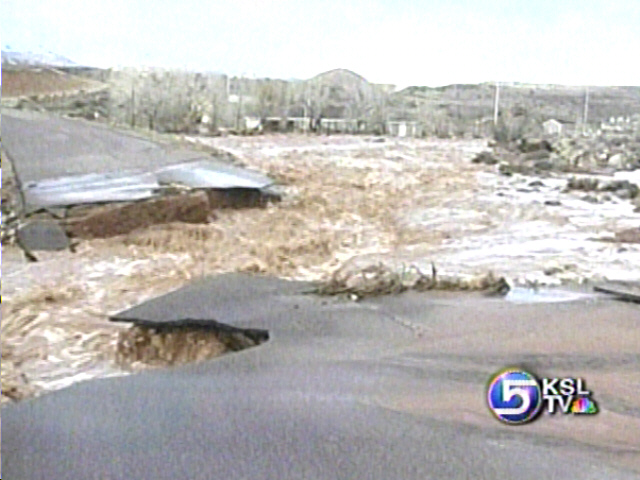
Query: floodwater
x=401 y=201
x=546 y=295
x=534 y=235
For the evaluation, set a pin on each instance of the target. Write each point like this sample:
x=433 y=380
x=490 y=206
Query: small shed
x=402 y=128
x=552 y=127
x=252 y=125
x=340 y=125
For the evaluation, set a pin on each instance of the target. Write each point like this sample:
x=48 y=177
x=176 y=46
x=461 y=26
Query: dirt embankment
x=55 y=91
x=40 y=81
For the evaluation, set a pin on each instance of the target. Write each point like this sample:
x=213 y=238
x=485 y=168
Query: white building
x=552 y=127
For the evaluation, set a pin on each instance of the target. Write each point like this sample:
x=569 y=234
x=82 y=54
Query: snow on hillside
x=34 y=58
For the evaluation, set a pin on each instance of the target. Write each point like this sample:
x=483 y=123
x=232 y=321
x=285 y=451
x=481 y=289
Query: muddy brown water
x=402 y=202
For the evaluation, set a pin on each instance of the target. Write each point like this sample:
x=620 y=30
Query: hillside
x=18 y=82
x=541 y=102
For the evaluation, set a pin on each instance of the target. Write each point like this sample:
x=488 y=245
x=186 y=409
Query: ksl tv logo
x=516 y=396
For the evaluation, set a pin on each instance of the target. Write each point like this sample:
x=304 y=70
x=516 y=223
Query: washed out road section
x=61 y=163
x=391 y=387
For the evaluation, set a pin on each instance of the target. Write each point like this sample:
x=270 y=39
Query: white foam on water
x=526 y=295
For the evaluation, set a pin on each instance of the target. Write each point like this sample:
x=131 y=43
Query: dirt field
x=400 y=201
x=16 y=83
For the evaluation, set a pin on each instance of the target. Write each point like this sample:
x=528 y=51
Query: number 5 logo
x=514 y=396
x=511 y=388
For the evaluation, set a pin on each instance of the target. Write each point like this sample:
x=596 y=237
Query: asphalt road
x=44 y=146
x=61 y=162
x=387 y=388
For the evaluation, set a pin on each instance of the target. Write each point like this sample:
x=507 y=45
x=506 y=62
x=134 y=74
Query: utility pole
x=585 y=114
x=133 y=106
x=239 y=108
x=496 y=104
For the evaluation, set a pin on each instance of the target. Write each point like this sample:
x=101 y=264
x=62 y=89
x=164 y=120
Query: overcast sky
x=417 y=42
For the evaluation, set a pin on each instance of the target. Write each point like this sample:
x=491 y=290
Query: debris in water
x=380 y=279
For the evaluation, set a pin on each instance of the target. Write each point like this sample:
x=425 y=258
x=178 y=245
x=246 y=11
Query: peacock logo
x=584 y=405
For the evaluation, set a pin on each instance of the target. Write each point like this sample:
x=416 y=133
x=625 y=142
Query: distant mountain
x=40 y=58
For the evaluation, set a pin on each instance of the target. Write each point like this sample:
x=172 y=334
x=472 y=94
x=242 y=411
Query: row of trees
x=166 y=100
x=180 y=101
x=173 y=100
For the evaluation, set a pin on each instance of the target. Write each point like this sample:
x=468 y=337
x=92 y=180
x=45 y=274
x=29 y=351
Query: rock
x=605 y=149
x=536 y=183
x=485 y=157
x=499 y=288
x=537 y=155
x=584 y=184
x=544 y=165
x=621 y=188
x=612 y=185
x=505 y=169
x=623 y=193
x=549 y=271
x=42 y=235
x=552 y=203
x=527 y=145
x=632 y=235
x=591 y=199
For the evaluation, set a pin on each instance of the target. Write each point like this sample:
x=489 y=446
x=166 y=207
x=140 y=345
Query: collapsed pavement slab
x=211 y=174
x=227 y=186
x=63 y=164
x=233 y=301
x=120 y=202
x=223 y=182
x=264 y=307
x=89 y=189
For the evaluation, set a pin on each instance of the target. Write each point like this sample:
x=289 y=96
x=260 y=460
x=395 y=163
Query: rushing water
x=466 y=219
x=532 y=234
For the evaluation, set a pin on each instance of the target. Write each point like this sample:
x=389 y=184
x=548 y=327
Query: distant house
x=252 y=124
x=552 y=127
x=402 y=128
x=341 y=125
